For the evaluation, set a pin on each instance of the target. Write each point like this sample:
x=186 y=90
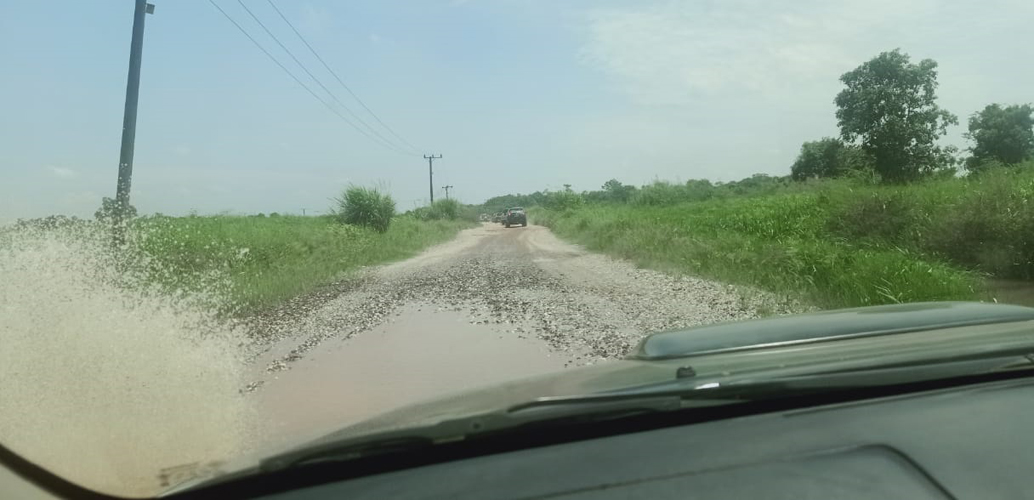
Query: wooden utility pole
x=447 y=188
x=430 y=173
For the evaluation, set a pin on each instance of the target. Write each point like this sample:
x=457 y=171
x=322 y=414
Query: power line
x=339 y=80
x=293 y=77
x=317 y=80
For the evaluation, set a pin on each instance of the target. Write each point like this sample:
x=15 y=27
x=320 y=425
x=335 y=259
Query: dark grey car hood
x=764 y=348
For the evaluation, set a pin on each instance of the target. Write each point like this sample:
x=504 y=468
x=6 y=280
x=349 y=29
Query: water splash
x=103 y=379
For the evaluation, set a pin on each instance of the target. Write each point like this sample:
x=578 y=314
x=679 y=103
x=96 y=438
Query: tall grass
x=833 y=243
x=444 y=210
x=262 y=261
x=448 y=209
x=781 y=254
x=366 y=207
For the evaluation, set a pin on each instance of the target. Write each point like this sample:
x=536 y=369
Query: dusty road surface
x=492 y=305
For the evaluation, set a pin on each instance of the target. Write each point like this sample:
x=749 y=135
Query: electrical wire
x=295 y=78
x=339 y=80
x=317 y=80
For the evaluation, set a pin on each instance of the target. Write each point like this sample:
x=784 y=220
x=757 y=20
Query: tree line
x=890 y=122
x=658 y=193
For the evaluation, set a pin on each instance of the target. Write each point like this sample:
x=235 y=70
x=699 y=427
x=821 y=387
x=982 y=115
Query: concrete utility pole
x=430 y=173
x=447 y=188
x=125 y=162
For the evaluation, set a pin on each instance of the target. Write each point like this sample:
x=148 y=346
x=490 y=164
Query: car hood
x=750 y=350
x=772 y=347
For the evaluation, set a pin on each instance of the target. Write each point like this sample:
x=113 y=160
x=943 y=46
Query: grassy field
x=832 y=244
x=261 y=261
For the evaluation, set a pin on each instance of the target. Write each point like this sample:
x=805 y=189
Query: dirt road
x=492 y=305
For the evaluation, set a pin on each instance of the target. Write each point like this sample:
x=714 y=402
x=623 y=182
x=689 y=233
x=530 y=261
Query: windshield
x=230 y=227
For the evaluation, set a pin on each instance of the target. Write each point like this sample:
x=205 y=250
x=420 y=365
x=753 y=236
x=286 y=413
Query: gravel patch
x=589 y=306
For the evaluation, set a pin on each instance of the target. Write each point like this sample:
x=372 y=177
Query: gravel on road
x=521 y=279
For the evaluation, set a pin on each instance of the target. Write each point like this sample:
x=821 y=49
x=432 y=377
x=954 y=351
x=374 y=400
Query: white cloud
x=681 y=52
x=62 y=172
x=375 y=38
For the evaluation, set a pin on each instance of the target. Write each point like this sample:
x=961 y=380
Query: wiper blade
x=521 y=416
x=724 y=390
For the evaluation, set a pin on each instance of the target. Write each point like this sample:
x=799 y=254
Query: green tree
x=617 y=192
x=889 y=106
x=1004 y=135
x=819 y=158
x=699 y=190
x=107 y=210
x=564 y=200
x=828 y=157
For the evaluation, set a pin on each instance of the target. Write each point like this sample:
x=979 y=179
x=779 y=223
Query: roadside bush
x=448 y=209
x=750 y=242
x=663 y=193
x=564 y=200
x=255 y=262
x=875 y=215
x=443 y=210
x=988 y=223
x=365 y=207
x=660 y=193
x=468 y=213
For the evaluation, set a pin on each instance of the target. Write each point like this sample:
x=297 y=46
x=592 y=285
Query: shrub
x=663 y=193
x=879 y=215
x=443 y=210
x=564 y=200
x=365 y=207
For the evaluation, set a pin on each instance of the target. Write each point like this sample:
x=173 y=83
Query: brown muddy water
x=1011 y=292
x=421 y=354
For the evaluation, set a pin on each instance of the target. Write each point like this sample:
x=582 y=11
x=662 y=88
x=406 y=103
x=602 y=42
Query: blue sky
x=517 y=95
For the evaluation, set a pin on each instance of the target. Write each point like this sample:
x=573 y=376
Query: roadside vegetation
x=832 y=243
x=446 y=210
x=881 y=214
x=242 y=264
x=367 y=207
x=261 y=261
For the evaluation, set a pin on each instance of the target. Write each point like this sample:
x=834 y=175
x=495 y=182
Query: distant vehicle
x=516 y=216
x=497 y=217
x=483 y=217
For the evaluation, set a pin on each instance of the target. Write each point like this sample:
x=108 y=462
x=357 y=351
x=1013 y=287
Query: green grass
x=834 y=243
x=258 y=261
x=368 y=207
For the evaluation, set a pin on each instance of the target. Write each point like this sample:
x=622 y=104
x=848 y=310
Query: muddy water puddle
x=1017 y=292
x=421 y=354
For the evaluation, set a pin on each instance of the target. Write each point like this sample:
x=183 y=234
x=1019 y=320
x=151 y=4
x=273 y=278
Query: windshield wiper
x=677 y=394
x=746 y=388
x=412 y=439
